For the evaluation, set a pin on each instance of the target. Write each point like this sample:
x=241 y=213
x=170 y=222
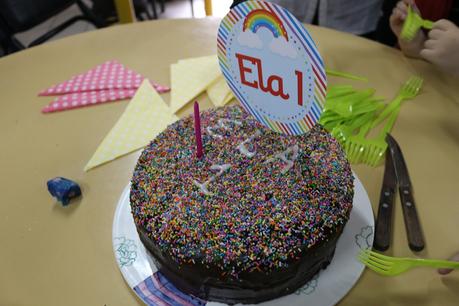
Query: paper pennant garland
x=218 y=91
x=144 y=118
x=191 y=77
x=82 y=99
x=228 y=98
x=198 y=60
x=109 y=75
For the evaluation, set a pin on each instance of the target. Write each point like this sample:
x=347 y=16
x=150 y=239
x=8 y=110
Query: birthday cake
x=254 y=219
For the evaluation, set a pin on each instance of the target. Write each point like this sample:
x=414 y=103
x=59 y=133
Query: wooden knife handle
x=412 y=224
x=383 y=228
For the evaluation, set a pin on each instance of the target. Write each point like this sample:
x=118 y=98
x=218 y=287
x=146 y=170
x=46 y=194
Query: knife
x=410 y=215
x=383 y=227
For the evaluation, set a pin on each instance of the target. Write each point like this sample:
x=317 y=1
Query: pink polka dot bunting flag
x=110 y=81
x=88 y=98
x=107 y=76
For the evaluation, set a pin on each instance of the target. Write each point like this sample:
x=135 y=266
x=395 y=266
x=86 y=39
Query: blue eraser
x=63 y=189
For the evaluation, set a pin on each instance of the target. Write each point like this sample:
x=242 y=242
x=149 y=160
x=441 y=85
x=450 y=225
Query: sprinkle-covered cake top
x=255 y=200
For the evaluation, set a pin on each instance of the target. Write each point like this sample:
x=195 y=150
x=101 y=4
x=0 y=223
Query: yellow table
x=63 y=256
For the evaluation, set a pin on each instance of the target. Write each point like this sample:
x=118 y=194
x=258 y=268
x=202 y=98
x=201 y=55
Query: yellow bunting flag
x=144 y=118
x=228 y=98
x=218 y=91
x=190 y=77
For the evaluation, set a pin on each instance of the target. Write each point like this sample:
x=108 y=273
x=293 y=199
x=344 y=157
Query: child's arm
x=410 y=48
x=442 y=46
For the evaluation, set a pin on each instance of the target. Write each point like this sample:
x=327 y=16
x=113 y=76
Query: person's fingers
x=443 y=24
x=447 y=271
x=427 y=54
x=398 y=15
x=430 y=44
x=407 y=2
x=435 y=34
x=402 y=6
x=444 y=271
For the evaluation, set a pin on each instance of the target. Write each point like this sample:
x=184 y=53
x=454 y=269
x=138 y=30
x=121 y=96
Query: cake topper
x=272 y=66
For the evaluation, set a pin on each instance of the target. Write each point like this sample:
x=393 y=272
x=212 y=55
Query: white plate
x=326 y=288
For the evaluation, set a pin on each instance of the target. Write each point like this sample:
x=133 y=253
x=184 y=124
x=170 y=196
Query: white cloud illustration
x=282 y=47
x=250 y=40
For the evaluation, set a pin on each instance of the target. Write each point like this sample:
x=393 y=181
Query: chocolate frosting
x=255 y=219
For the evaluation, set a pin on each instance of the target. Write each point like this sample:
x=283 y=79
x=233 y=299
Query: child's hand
x=398 y=16
x=397 y=19
x=446 y=271
x=442 y=46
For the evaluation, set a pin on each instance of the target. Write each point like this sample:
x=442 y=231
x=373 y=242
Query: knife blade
x=383 y=228
x=410 y=215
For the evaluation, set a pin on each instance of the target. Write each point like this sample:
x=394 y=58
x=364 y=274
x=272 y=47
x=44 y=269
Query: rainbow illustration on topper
x=265 y=19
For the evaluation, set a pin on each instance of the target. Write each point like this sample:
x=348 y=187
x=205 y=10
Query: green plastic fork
x=392 y=266
x=413 y=23
x=408 y=91
x=354 y=146
x=339 y=90
x=329 y=123
x=345 y=75
x=344 y=130
x=338 y=93
x=331 y=119
x=344 y=106
x=371 y=151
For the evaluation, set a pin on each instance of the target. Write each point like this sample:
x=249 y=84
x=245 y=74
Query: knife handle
x=383 y=227
x=412 y=224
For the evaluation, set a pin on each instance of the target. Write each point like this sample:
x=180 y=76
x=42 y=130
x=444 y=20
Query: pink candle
x=197 y=131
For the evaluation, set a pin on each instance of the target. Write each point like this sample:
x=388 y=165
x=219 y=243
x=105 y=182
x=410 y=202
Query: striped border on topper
x=312 y=117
